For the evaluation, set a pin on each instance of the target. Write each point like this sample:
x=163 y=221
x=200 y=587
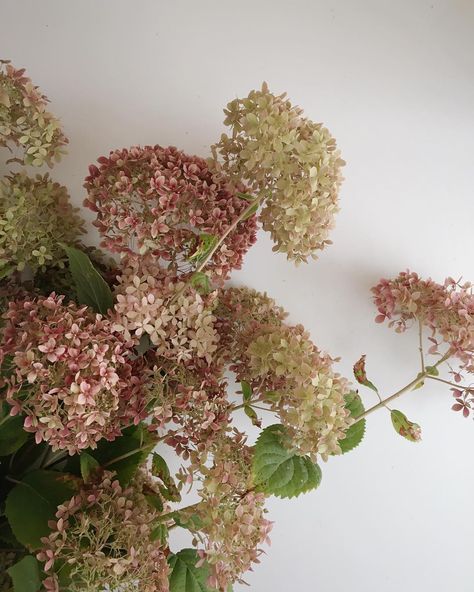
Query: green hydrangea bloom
x=24 y=120
x=35 y=217
x=288 y=160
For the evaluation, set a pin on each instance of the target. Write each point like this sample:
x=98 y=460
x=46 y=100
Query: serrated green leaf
x=185 y=576
x=91 y=287
x=12 y=435
x=279 y=471
x=33 y=502
x=201 y=282
x=88 y=465
x=25 y=575
x=355 y=433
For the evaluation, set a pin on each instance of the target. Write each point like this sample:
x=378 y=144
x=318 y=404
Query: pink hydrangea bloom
x=446 y=309
x=161 y=200
x=70 y=373
x=152 y=302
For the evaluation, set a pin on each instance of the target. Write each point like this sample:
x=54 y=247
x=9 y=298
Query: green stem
x=421 y=376
x=255 y=203
x=461 y=387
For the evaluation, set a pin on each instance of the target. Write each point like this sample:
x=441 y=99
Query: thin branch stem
x=420 y=334
x=461 y=387
x=403 y=390
x=253 y=205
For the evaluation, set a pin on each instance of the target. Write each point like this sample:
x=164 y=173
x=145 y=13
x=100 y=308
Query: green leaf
x=144 y=345
x=432 y=371
x=185 y=576
x=245 y=196
x=279 y=471
x=6 y=270
x=123 y=455
x=361 y=376
x=355 y=433
x=33 y=502
x=201 y=282
x=25 y=575
x=206 y=243
x=404 y=427
x=155 y=501
x=88 y=465
x=12 y=435
x=252 y=415
x=160 y=469
x=160 y=533
x=91 y=287
x=246 y=390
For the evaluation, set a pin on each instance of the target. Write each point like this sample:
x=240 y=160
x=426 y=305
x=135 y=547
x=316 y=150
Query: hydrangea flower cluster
x=70 y=374
x=24 y=120
x=152 y=303
x=103 y=535
x=288 y=372
x=164 y=202
x=290 y=162
x=233 y=515
x=103 y=362
x=447 y=310
x=36 y=216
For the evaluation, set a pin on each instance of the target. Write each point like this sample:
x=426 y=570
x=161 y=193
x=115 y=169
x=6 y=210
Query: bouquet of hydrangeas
x=108 y=361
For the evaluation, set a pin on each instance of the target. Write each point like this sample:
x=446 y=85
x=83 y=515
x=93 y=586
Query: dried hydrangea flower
x=233 y=517
x=24 y=120
x=164 y=202
x=285 y=370
x=103 y=534
x=35 y=217
x=447 y=310
x=289 y=161
x=180 y=328
x=71 y=376
x=191 y=402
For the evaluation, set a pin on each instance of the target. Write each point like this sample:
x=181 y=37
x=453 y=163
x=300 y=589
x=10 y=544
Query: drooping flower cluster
x=233 y=516
x=447 y=310
x=164 y=202
x=290 y=374
x=103 y=536
x=24 y=120
x=71 y=376
x=289 y=161
x=36 y=216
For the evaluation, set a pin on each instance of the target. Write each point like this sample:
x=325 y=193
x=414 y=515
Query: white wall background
x=394 y=82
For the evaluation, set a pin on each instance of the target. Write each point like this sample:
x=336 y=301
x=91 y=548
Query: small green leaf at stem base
x=252 y=415
x=246 y=391
x=201 y=282
x=361 y=376
x=404 y=427
x=432 y=371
